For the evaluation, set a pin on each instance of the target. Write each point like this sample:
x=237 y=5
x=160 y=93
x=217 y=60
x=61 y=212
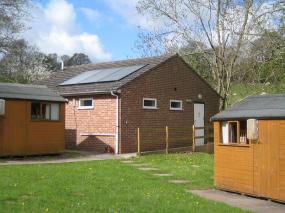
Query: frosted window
x=46 y=111
x=55 y=112
x=224 y=133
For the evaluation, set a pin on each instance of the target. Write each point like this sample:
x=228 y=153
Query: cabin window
x=44 y=111
x=149 y=103
x=86 y=103
x=175 y=105
x=233 y=132
x=224 y=138
x=243 y=132
x=54 y=116
x=36 y=111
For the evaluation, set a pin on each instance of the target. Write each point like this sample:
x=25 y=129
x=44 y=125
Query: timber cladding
x=171 y=80
x=257 y=169
x=22 y=136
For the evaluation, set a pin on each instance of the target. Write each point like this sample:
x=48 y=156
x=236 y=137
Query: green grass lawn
x=242 y=90
x=108 y=186
x=197 y=168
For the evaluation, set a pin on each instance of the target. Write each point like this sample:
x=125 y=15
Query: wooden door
x=15 y=127
x=266 y=160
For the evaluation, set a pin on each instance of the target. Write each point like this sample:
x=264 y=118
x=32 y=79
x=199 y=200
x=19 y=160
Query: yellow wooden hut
x=31 y=120
x=250 y=147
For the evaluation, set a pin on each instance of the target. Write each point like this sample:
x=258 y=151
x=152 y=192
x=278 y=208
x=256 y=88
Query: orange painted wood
x=258 y=169
x=21 y=136
x=233 y=165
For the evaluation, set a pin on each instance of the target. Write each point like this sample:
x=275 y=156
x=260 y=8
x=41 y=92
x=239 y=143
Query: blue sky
x=103 y=29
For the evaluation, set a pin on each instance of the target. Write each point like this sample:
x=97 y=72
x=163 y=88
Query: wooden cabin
x=31 y=120
x=250 y=147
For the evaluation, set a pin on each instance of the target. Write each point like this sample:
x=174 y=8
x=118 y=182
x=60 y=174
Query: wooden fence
x=168 y=139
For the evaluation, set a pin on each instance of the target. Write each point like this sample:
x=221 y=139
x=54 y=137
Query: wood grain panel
x=22 y=136
x=233 y=165
x=258 y=169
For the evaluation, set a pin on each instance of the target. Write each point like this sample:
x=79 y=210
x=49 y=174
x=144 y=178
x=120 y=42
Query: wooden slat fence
x=170 y=138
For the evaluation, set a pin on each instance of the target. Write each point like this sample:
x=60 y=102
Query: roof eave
x=89 y=93
x=248 y=117
x=34 y=99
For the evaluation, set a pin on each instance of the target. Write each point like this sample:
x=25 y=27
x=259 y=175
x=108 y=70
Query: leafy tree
x=23 y=63
x=224 y=27
x=265 y=61
x=78 y=59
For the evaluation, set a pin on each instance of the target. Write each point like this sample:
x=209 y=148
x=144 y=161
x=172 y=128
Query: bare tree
x=225 y=27
x=12 y=18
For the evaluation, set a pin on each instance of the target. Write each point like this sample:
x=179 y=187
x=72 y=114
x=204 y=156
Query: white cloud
x=60 y=13
x=91 y=14
x=54 y=30
x=127 y=9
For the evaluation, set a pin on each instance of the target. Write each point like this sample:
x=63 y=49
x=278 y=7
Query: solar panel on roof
x=103 y=75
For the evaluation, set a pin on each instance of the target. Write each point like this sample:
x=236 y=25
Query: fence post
x=166 y=140
x=139 y=141
x=193 y=138
x=206 y=133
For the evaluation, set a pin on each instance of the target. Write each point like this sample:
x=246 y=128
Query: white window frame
x=177 y=101
x=85 y=107
x=150 y=107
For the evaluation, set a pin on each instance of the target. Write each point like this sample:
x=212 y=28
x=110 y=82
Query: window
x=44 y=111
x=36 y=111
x=54 y=116
x=86 y=103
x=149 y=103
x=233 y=132
x=175 y=105
x=224 y=138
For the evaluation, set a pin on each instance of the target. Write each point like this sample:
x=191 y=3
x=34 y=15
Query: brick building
x=108 y=101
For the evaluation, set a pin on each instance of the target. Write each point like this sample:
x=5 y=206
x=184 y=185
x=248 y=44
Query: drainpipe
x=117 y=122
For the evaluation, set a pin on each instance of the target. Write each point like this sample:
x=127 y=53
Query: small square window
x=175 y=105
x=86 y=103
x=149 y=103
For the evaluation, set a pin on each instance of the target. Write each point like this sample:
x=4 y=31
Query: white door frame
x=199 y=132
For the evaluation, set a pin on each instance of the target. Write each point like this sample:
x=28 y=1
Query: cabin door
x=266 y=160
x=199 y=122
x=15 y=127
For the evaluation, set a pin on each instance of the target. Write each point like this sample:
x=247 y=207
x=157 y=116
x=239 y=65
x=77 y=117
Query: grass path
x=196 y=168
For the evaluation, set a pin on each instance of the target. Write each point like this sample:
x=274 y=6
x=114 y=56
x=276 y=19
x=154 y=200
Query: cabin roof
x=28 y=92
x=259 y=107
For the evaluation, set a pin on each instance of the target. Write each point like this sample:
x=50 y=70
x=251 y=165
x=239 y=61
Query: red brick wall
x=100 y=120
x=172 y=80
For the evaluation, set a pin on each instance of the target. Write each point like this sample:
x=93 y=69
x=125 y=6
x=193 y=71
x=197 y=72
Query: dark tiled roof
x=103 y=87
x=259 y=107
x=28 y=92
